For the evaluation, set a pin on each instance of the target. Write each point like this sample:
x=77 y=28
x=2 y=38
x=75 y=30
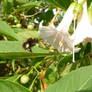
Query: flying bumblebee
x=29 y=43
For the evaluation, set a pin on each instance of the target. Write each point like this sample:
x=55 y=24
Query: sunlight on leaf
x=75 y=81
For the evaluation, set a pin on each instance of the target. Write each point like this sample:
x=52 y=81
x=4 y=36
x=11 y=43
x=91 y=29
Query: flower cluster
x=59 y=36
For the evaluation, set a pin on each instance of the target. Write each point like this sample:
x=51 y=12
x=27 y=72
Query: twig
x=55 y=15
x=33 y=82
x=27 y=16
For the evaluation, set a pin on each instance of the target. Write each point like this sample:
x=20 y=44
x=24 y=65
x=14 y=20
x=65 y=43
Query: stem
x=13 y=65
x=30 y=71
x=73 y=42
x=36 y=70
x=30 y=87
x=38 y=73
x=58 y=11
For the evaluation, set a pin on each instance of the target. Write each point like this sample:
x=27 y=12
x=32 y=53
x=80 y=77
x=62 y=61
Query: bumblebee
x=29 y=43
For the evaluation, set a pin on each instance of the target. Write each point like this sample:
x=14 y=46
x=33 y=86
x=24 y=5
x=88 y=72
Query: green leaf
x=7 y=6
x=14 y=78
x=11 y=49
x=3 y=62
x=28 y=5
x=89 y=2
x=27 y=34
x=66 y=70
x=37 y=61
x=1 y=1
x=36 y=49
x=64 y=4
x=87 y=48
x=9 y=86
x=63 y=61
x=79 y=80
x=50 y=75
x=19 y=2
x=7 y=31
x=14 y=49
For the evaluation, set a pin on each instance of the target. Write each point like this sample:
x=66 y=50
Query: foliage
x=44 y=67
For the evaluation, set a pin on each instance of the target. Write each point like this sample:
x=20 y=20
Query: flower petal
x=84 y=28
x=67 y=20
x=59 y=37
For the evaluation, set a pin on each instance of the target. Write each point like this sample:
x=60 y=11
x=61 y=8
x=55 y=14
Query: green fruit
x=18 y=25
x=11 y=16
x=13 y=25
x=24 y=79
x=30 y=26
x=15 y=21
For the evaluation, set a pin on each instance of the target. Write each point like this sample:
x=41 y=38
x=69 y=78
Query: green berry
x=11 y=16
x=15 y=21
x=30 y=26
x=18 y=25
x=24 y=79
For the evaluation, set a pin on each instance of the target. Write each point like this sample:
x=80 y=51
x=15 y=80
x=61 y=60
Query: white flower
x=84 y=28
x=59 y=37
x=67 y=20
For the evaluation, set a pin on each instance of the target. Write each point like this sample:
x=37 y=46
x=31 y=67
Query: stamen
x=60 y=43
x=73 y=42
